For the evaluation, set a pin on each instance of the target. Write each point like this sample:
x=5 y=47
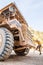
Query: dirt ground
x=33 y=58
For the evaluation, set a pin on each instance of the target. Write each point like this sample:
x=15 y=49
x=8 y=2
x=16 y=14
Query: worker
x=39 y=46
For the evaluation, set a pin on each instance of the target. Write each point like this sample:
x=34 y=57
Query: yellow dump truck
x=14 y=32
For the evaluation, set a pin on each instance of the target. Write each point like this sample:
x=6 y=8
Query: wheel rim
x=1 y=40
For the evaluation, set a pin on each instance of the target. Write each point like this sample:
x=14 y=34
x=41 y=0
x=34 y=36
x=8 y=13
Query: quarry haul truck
x=14 y=32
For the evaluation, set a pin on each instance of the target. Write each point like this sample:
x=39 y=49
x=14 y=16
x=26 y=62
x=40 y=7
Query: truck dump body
x=14 y=14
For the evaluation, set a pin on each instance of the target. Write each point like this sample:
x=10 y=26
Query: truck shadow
x=17 y=58
x=25 y=60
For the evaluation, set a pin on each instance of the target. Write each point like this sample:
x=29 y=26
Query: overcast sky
x=32 y=11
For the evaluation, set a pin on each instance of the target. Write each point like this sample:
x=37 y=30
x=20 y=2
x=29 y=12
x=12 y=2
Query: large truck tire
x=22 y=52
x=6 y=43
